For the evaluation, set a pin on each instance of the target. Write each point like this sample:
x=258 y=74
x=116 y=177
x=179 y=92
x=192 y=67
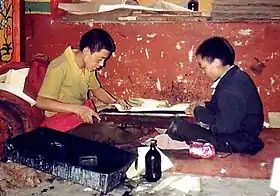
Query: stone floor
x=232 y=175
x=235 y=165
x=176 y=184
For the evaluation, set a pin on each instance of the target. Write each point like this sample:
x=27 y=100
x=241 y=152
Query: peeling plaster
x=148 y=41
x=272 y=81
x=52 y=21
x=180 y=78
x=245 y=32
x=78 y=23
x=147 y=53
x=161 y=54
x=191 y=54
x=139 y=38
x=272 y=55
x=237 y=43
x=114 y=91
x=120 y=58
x=181 y=65
x=151 y=35
x=158 y=84
x=120 y=82
x=178 y=45
x=90 y=23
x=126 y=91
x=114 y=54
x=106 y=74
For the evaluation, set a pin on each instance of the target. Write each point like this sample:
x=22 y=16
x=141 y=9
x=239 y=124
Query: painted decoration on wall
x=9 y=31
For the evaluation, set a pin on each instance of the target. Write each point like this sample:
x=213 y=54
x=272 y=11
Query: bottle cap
x=153 y=141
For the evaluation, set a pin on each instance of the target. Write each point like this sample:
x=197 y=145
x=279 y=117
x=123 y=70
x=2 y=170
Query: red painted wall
x=155 y=60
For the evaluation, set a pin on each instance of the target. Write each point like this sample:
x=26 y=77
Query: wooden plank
x=232 y=10
x=247 y=10
x=139 y=15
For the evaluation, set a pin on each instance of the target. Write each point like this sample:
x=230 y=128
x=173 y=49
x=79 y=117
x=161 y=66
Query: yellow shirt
x=66 y=82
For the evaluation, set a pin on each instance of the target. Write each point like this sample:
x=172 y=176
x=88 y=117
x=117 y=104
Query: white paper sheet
x=164 y=142
x=169 y=6
x=181 y=107
x=93 y=7
x=79 y=8
x=107 y=8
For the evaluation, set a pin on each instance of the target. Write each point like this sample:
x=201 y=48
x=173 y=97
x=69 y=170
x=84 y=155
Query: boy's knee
x=176 y=129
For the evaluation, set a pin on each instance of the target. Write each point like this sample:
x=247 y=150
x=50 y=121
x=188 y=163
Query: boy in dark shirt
x=233 y=118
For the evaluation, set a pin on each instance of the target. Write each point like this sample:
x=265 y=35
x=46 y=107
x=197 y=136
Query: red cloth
x=65 y=121
x=38 y=67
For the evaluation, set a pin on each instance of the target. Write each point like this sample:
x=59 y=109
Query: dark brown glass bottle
x=153 y=163
x=193 y=5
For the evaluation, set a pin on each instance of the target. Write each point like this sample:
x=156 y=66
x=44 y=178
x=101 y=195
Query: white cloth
x=16 y=78
x=13 y=82
x=275 y=177
x=164 y=142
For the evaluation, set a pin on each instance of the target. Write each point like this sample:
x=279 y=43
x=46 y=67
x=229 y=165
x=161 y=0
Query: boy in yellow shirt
x=63 y=94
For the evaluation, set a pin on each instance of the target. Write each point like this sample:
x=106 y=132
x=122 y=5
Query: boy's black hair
x=216 y=48
x=96 y=40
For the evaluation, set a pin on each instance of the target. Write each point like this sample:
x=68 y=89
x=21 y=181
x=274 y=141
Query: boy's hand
x=87 y=114
x=124 y=104
x=189 y=111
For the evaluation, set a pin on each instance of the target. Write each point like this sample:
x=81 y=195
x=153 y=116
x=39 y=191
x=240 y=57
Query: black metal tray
x=92 y=164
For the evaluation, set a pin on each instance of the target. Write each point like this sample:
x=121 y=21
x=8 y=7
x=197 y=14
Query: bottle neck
x=153 y=146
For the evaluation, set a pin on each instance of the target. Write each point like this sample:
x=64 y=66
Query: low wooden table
x=147 y=119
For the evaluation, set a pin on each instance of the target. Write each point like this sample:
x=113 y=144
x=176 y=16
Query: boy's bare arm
x=54 y=105
x=103 y=95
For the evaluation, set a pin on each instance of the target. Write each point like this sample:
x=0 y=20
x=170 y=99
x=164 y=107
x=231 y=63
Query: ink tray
x=89 y=163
